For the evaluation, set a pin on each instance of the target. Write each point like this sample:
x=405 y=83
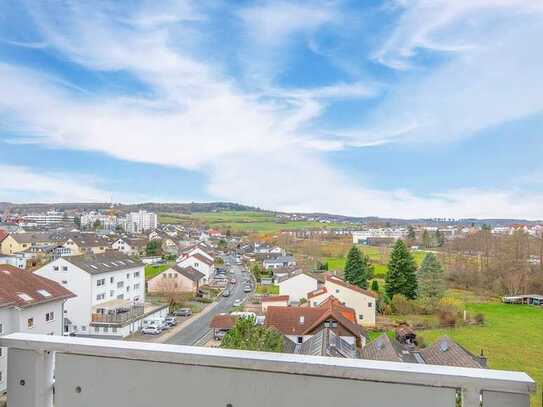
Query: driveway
x=198 y=330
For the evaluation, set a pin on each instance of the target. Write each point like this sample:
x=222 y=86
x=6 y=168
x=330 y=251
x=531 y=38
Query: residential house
x=267 y=249
x=297 y=286
x=130 y=246
x=86 y=243
x=110 y=289
x=283 y=273
x=28 y=303
x=273 y=300
x=279 y=261
x=19 y=242
x=362 y=301
x=300 y=324
x=444 y=352
x=200 y=249
x=16 y=260
x=199 y=262
x=176 y=280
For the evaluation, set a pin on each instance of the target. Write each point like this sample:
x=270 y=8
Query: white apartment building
x=110 y=289
x=362 y=236
x=142 y=221
x=48 y=218
x=107 y=222
x=28 y=303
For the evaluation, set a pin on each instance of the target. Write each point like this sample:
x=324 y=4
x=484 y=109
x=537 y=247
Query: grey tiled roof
x=380 y=349
x=446 y=352
x=104 y=262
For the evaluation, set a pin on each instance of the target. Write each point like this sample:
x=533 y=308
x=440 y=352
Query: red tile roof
x=317 y=292
x=23 y=288
x=3 y=234
x=222 y=321
x=305 y=320
x=272 y=298
x=339 y=281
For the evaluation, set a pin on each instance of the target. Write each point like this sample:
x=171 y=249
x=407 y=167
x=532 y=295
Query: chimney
x=482 y=359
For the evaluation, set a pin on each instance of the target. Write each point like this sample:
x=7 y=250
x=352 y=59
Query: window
x=96 y=329
x=100 y=297
x=164 y=275
x=300 y=339
x=136 y=286
x=101 y=282
x=114 y=329
x=137 y=274
x=111 y=293
x=370 y=304
x=111 y=280
x=83 y=328
x=64 y=268
x=49 y=316
x=127 y=276
x=1 y=377
x=120 y=284
x=127 y=288
x=337 y=290
x=30 y=322
x=106 y=329
x=120 y=297
x=361 y=317
x=55 y=268
x=64 y=281
x=1 y=352
x=1 y=328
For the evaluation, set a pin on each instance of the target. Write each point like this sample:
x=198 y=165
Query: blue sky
x=404 y=108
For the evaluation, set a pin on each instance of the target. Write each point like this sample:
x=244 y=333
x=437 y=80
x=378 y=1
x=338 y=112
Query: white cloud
x=17 y=181
x=251 y=145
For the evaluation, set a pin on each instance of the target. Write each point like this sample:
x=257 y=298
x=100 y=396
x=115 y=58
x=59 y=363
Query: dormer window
x=302 y=320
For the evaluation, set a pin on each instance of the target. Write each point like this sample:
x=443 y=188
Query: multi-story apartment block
x=28 y=303
x=142 y=221
x=110 y=289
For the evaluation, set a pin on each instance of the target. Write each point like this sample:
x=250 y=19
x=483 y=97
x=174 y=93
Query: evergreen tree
x=401 y=277
x=440 y=238
x=411 y=236
x=375 y=286
x=353 y=264
x=358 y=268
x=426 y=240
x=431 y=284
x=153 y=248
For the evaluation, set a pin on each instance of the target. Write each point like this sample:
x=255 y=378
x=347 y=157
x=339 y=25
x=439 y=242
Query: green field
x=152 y=270
x=243 y=221
x=375 y=255
x=510 y=338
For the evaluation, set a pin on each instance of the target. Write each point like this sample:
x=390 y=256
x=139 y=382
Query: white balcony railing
x=98 y=372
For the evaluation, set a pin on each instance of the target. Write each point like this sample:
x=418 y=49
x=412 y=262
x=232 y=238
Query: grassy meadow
x=242 y=221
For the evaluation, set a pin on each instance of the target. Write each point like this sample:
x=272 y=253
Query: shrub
x=480 y=318
x=401 y=305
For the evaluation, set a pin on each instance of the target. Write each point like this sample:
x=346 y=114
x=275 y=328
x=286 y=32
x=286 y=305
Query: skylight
x=105 y=265
x=94 y=267
x=25 y=297
x=45 y=293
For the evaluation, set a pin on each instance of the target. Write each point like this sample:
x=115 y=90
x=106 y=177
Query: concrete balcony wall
x=93 y=372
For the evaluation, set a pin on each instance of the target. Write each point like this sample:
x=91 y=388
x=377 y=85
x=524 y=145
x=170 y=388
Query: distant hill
x=196 y=207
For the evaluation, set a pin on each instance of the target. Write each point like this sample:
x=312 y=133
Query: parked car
x=171 y=321
x=238 y=302
x=151 y=330
x=219 y=335
x=247 y=289
x=226 y=293
x=183 y=312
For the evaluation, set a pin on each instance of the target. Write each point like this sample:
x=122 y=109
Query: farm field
x=242 y=221
x=510 y=338
x=377 y=256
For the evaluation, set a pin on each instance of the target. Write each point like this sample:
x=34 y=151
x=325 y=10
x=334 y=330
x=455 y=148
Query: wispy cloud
x=253 y=138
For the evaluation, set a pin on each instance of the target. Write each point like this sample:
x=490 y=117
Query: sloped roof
x=190 y=272
x=222 y=321
x=446 y=352
x=317 y=292
x=304 y=320
x=23 y=288
x=87 y=240
x=38 y=237
x=339 y=281
x=202 y=258
x=3 y=234
x=380 y=349
x=103 y=262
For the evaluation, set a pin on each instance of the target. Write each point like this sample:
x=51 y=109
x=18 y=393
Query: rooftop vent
x=443 y=346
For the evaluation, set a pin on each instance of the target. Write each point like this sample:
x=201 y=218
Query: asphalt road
x=198 y=331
